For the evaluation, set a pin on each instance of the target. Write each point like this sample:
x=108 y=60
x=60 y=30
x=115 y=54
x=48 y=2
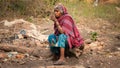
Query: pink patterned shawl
x=66 y=22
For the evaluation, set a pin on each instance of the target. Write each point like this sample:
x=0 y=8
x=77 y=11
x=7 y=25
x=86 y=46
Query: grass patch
x=76 y=8
x=82 y=9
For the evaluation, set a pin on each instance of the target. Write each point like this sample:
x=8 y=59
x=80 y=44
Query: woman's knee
x=50 y=37
x=62 y=36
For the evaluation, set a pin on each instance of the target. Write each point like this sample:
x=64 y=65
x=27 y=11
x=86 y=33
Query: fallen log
x=20 y=49
x=37 y=51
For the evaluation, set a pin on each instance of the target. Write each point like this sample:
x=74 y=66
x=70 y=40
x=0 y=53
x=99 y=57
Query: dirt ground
x=105 y=56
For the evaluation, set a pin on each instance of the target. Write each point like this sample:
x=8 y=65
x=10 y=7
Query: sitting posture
x=66 y=35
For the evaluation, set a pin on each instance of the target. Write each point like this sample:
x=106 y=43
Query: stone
x=118 y=48
x=20 y=36
x=20 y=56
x=88 y=41
x=79 y=66
x=12 y=54
x=3 y=55
x=37 y=42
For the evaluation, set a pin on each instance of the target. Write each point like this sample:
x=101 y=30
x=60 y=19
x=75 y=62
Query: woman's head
x=59 y=10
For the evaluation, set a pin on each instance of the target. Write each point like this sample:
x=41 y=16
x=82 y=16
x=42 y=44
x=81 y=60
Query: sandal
x=53 y=58
x=59 y=63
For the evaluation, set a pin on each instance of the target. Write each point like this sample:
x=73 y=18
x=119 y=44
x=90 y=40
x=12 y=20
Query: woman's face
x=57 y=13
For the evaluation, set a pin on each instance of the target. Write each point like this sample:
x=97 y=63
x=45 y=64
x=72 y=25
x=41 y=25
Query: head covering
x=61 y=8
x=67 y=23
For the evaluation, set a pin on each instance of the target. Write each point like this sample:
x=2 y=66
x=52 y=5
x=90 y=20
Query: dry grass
x=42 y=8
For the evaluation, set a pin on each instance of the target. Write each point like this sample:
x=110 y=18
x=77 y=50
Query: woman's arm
x=52 y=17
x=59 y=27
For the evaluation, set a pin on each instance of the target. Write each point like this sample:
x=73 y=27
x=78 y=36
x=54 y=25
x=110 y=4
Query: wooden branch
x=21 y=49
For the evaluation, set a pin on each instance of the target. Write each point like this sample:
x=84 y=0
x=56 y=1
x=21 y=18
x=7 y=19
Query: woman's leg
x=62 y=54
x=58 y=43
x=52 y=41
x=61 y=43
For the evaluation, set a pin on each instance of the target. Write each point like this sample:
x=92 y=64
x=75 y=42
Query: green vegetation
x=105 y=11
x=77 y=8
x=93 y=36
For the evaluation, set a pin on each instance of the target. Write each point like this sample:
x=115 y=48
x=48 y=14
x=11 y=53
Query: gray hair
x=60 y=8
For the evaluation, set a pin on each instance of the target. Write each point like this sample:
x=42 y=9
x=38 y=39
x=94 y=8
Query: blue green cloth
x=57 y=42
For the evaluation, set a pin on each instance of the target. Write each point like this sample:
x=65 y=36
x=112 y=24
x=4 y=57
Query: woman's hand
x=53 y=18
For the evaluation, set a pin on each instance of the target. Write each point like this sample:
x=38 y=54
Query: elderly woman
x=66 y=34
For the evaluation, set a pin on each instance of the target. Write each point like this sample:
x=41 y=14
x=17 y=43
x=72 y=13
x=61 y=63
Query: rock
x=88 y=41
x=26 y=55
x=6 y=23
x=96 y=45
x=110 y=56
x=5 y=60
x=20 y=36
x=118 y=9
x=100 y=47
x=93 y=45
x=118 y=48
x=3 y=55
x=12 y=54
x=76 y=52
x=18 y=42
x=37 y=42
x=20 y=56
x=118 y=36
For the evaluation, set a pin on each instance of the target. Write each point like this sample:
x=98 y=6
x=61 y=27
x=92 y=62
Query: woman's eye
x=56 y=11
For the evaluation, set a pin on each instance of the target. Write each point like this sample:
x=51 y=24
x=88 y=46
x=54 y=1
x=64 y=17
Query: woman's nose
x=55 y=12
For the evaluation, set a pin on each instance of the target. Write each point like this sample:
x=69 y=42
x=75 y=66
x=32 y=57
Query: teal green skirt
x=57 y=42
